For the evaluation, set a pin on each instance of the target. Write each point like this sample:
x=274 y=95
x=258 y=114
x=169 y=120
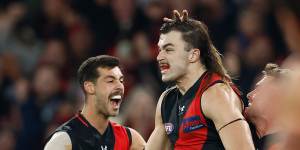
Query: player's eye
x=110 y=81
x=169 y=49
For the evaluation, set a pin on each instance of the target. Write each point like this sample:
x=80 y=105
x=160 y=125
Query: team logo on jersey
x=191 y=124
x=103 y=147
x=169 y=128
x=181 y=110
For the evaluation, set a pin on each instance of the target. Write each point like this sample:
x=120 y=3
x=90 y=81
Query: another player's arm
x=158 y=138
x=138 y=143
x=59 y=141
x=223 y=107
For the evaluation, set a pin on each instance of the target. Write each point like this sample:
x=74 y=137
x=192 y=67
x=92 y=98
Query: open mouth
x=164 y=67
x=116 y=101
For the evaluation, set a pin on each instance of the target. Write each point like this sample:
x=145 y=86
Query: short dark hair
x=195 y=34
x=274 y=70
x=88 y=69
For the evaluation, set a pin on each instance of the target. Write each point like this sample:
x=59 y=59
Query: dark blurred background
x=43 y=42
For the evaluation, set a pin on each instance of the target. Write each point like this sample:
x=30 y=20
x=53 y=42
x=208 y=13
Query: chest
x=184 y=119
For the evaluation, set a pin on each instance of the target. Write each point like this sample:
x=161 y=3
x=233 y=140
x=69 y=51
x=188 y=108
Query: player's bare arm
x=59 y=141
x=158 y=138
x=138 y=143
x=224 y=108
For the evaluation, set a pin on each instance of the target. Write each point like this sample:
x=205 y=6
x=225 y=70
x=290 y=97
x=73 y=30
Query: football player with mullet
x=204 y=109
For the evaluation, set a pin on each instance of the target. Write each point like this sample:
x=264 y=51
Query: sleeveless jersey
x=185 y=123
x=85 y=137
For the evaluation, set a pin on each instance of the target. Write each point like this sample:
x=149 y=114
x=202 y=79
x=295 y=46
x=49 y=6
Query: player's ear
x=194 y=55
x=89 y=87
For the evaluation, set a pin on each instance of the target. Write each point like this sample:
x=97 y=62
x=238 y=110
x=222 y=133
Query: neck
x=98 y=121
x=265 y=127
x=189 y=79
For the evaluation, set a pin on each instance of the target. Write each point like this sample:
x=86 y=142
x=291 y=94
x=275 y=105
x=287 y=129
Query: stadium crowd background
x=43 y=42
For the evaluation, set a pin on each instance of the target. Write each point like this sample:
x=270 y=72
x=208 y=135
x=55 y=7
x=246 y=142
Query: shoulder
x=138 y=141
x=221 y=93
x=161 y=100
x=167 y=91
x=134 y=133
x=217 y=92
x=59 y=140
x=165 y=94
x=220 y=98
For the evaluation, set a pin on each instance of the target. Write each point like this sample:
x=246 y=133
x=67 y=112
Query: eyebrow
x=166 y=45
x=110 y=76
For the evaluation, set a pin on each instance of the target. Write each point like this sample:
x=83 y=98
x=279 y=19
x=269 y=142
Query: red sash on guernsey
x=196 y=131
x=121 y=138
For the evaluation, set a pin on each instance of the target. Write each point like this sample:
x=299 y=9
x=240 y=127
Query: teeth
x=116 y=97
x=249 y=104
x=163 y=71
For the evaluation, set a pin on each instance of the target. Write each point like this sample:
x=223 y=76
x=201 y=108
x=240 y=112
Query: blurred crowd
x=43 y=42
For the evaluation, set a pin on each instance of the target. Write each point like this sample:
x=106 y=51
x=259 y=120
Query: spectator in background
x=38 y=109
x=47 y=21
x=11 y=68
x=145 y=57
x=250 y=49
x=257 y=54
x=64 y=112
x=250 y=27
x=139 y=110
x=7 y=139
x=10 y=76
x=99 y=17
x=47 y=97
x=178 y=5
x=11 y=79
x=18 y=37
x=24 y=44
x=57 y=54
x=81 y=43
x=129 y=18
x=2 y=88
x=219 y=15
x=232 y=57
x=154 y=10
x=138 y=57
x=11 y=12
